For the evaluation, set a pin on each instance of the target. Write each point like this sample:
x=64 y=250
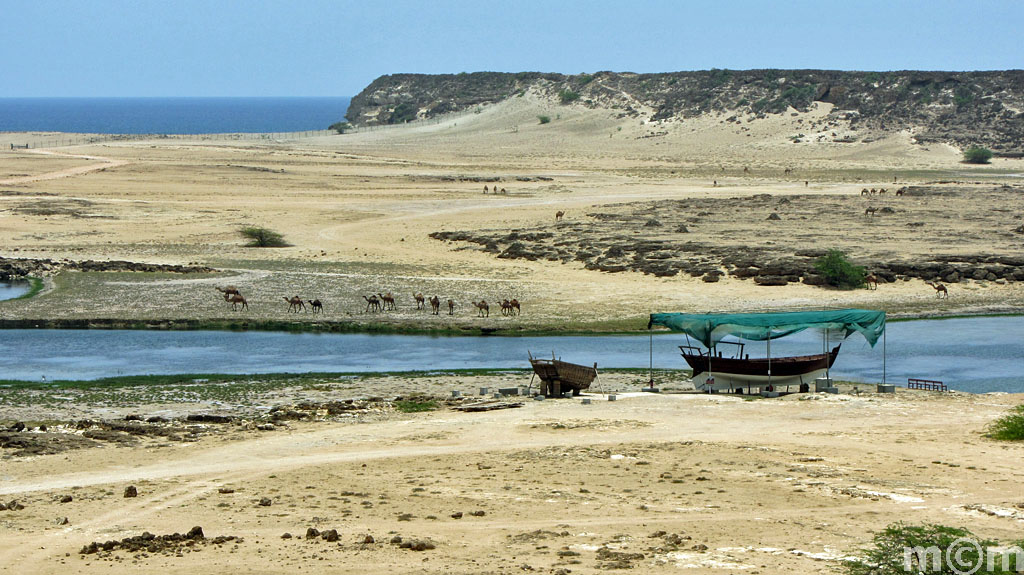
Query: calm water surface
x=11 y=290
x=976 y=354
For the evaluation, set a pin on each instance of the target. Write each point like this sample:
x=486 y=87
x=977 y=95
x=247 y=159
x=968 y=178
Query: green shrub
x=951 y=550
x=838 y=271
x=340 y=127
x=1008 y=427
x=544 y=119
x=404 y=112
x=585 y=79
x=414 y=406
x=977 y=155
x=263 y=238
x=568 y=96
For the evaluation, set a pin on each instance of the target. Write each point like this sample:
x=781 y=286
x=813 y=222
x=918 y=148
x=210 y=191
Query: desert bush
x=263 y=238
x=414 y=406
x=340 y=127
x=404 y=112
x=1008 y=427
x=977 y=155
x=568 y=96
x=838 y=271
x=900 y=549
x=544 y=119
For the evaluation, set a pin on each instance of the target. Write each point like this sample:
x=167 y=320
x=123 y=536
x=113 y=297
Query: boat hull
x=733 y=373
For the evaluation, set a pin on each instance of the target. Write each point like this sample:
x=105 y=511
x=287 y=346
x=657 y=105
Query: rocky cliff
x=963 y=108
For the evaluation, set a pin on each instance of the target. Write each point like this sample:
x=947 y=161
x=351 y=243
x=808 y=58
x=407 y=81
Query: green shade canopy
x=711 y=328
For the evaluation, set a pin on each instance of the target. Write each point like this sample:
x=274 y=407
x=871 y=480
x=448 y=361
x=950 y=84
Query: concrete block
x=651 y=390
x=769 y=394
x=538 y=397
x=456 y=393
x=510 y=391
x=612 y=397
x=832 y=390
x=585 y=401
x=822 y=383
x=886 y=388
x=485 y=390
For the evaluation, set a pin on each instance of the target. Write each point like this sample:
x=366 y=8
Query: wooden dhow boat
x=720 y=372
x=558 y=377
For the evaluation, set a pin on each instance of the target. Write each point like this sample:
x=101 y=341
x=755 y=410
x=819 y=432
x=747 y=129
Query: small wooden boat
x=741 y=371
x=558 y=377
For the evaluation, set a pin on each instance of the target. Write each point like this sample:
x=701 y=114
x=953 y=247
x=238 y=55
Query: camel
x=387 y=301
x=515 y=306
x=864 y=192
x=419 y=300
x=881 y=191
x=435 y=305
x=451 y=307
x=486 y=189
x=229 y=290
x=901 y=191
x=316 y=306
x=506 y=307
x=236 y=299
x=372 y=303
x=870 y=210
x=870 y=280
x=940 y=290
x=294 y=303
x=746 y=170
x=482 y=308
x=787 y=171
x=503 y=191
x=558 y=215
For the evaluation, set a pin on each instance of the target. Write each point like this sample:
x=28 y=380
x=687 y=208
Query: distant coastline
x=170 y=115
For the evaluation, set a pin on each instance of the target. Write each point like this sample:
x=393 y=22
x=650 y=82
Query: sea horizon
x=171 y=115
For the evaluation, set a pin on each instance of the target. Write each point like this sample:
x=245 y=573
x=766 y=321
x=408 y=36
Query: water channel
x=973 y=354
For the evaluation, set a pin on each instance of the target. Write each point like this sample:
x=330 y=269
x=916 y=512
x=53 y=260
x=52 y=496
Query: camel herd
x=378 y=302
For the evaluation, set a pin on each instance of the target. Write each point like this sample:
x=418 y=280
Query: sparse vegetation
x=340 y=127
x=263 y=238
x=568 y=96
x=929 y=549
x=977 y=155
x=404 y=112
x=1009 y=427
x=838 y=271
x=544 y=119
x=415 y=406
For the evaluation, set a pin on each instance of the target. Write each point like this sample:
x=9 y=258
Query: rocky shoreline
x=20 y=268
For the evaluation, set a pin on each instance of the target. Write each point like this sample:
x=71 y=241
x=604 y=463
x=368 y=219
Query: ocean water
x=170 y=115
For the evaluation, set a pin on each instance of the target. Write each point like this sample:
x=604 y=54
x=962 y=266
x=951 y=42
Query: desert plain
x=662 y=483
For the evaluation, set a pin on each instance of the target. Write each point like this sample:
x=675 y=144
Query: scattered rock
x=774 y=217
x=312 y=533
x=367 y=539
x=67 y=499
x=457 y=515
x=131 y=491
x=330 y=536
x=225 y=490
x=286 y=535
x=265 y=502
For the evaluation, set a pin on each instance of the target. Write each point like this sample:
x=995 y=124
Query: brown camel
x=881 y=191
x=940 y=290
x=558 y=215
x=236 y=299
x=451 y=307
x=901 y=191
x=871 y=281
x=864 y=192
x=506 y=307
x=435 y=305
x=486 y=189
x=515 y=306
x=316 y=306
x=419 y=300
x=294 y=303
x=787 y=171
x=372 y=303
x=482 y=308
x=387 y=301
x=229 y=290
x=870 y=210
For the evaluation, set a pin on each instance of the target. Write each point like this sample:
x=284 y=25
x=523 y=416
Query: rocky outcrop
x=958 y=107
x=15 y=268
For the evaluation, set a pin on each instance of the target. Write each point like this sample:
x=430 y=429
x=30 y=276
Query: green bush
x=838 y=271
x=977 y=155
x=949 y=550
x=568 y=96
x=404 y=112
x=413 y=406
x=1008 y=427
x=340 y=127
x=544 y=119
x=263 y=238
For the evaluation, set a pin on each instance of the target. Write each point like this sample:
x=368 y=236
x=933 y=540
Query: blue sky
x=335 y=48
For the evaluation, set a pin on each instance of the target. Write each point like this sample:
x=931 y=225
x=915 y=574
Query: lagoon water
x=975 y=354
x=11 y=290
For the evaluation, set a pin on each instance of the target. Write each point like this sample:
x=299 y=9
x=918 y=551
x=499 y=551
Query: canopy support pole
x=651 y=348
x=769 y=356
x=883 y=356
x=828 y=358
